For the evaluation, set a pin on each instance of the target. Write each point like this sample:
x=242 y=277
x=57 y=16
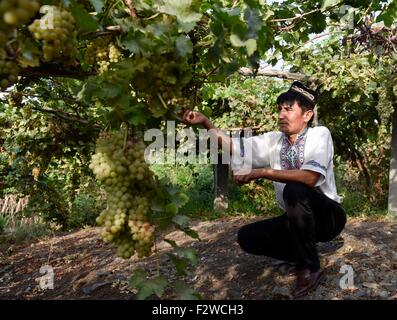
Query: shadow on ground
x=86 y=268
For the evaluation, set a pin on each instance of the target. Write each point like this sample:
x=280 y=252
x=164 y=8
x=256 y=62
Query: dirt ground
x=86 y=268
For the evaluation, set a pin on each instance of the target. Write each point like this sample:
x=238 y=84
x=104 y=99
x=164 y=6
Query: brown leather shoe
x=306 y=280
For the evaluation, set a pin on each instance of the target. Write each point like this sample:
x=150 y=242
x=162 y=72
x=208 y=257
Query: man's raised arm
x=190 y=117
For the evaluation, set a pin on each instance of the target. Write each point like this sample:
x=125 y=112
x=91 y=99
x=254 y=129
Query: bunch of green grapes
x=14 y=13
x=114 y=53
x=170 y=77
x=102 y=52
x=120 y=166
x=18 y=12
x=181 y=102
x=57 y=32
x=8 y=73
x=163 y=80
x=96 y=50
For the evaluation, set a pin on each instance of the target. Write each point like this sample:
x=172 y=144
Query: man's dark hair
x=304 y=96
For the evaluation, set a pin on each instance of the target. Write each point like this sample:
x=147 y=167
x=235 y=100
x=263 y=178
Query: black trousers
x=311 y=217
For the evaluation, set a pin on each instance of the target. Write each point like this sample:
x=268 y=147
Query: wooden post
x=315 y=116
x=392 y=200
x=221 y=185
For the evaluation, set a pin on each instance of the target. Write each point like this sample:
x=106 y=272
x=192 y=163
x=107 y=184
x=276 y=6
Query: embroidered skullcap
x=304 y=91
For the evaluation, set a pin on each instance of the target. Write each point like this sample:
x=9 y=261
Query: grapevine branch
x=65 y=116
x=300 y=16
x=107 y=31
x=131 y=9
x=297 y=18
x=371 y=36
x=73 y=100
x=51 y=70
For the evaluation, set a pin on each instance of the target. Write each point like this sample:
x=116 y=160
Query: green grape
x=162 y=82
x=121 y=167
x=114 y=53
x=58 y=40
x=18 y=12
x=101 y=53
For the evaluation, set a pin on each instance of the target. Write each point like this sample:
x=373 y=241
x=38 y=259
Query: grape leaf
x=180 y=199
x=183 y=292
x=137 y=114
x=236 y=41
x=183 y=46
x=183 y=11
x=30 y=52
x=251 y=46
x=171 y=208
x=146 y=287
x=318 y=22
x=388 y=16
x=181 y=220
x=138 y=277
x=85 y=22
x=180 y=264
x=171 y=242
x=187 y=253
x=190 y=232
x=137 y=42
x=329 y=3
x=98 y=5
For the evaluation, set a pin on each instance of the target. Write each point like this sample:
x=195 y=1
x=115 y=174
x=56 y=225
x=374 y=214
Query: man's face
x=291 y=119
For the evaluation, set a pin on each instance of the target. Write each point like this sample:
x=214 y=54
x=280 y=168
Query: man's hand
x=190 y=117
x=245 y=176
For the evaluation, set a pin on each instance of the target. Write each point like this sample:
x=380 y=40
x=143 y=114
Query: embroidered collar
x=292 y=155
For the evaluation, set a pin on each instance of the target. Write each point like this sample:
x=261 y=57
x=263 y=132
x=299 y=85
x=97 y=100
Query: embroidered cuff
x=313 y=165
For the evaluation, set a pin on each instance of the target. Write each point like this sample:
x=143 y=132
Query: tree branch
x=278 y=74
